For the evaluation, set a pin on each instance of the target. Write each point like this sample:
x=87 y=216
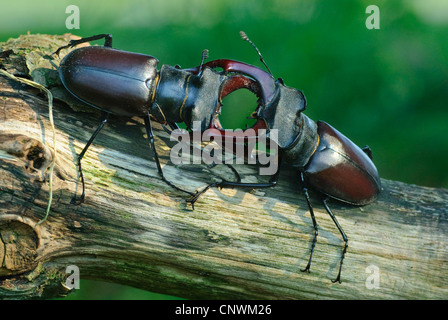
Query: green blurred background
x=387 y=88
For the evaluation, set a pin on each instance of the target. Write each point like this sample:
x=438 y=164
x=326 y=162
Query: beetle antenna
x=246 y=38
x=204 y=57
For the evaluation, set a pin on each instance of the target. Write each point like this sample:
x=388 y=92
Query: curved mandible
x=266 y=80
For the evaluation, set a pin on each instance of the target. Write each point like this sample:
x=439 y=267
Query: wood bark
x=134 y=229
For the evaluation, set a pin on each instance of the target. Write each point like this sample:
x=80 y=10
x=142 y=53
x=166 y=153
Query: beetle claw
x=307 y=268
x=76 y=201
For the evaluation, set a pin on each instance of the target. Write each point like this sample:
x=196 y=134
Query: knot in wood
x=18 y=247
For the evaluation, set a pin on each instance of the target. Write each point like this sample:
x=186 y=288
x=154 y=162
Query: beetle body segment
x=111 y=80
x=182 y=96
x=128 y=84
x=341 y=170
x=297 y=133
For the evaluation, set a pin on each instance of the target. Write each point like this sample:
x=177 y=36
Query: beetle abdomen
x=112 y=80
x=341 y=170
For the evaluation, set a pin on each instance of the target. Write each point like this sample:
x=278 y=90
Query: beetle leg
x=173 y=126
x=156 y=156
x=313 y=218
x=229 y=184
x=192 y=200
x=107 y=41
x=238 y=184
x=367 y=151
x=104 y=118
x=204 y=56
x=344 y=237
x=238 y=177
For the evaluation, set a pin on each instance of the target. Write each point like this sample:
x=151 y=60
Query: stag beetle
x=128 y=84
x=326 y=160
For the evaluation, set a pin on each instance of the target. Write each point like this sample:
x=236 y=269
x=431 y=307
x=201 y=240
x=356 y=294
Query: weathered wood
x=134 y=229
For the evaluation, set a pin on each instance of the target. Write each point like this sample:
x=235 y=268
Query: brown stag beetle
x=129 y=84
x=326 y=160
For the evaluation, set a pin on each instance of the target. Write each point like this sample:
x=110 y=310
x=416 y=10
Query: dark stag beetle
x=128 y=84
